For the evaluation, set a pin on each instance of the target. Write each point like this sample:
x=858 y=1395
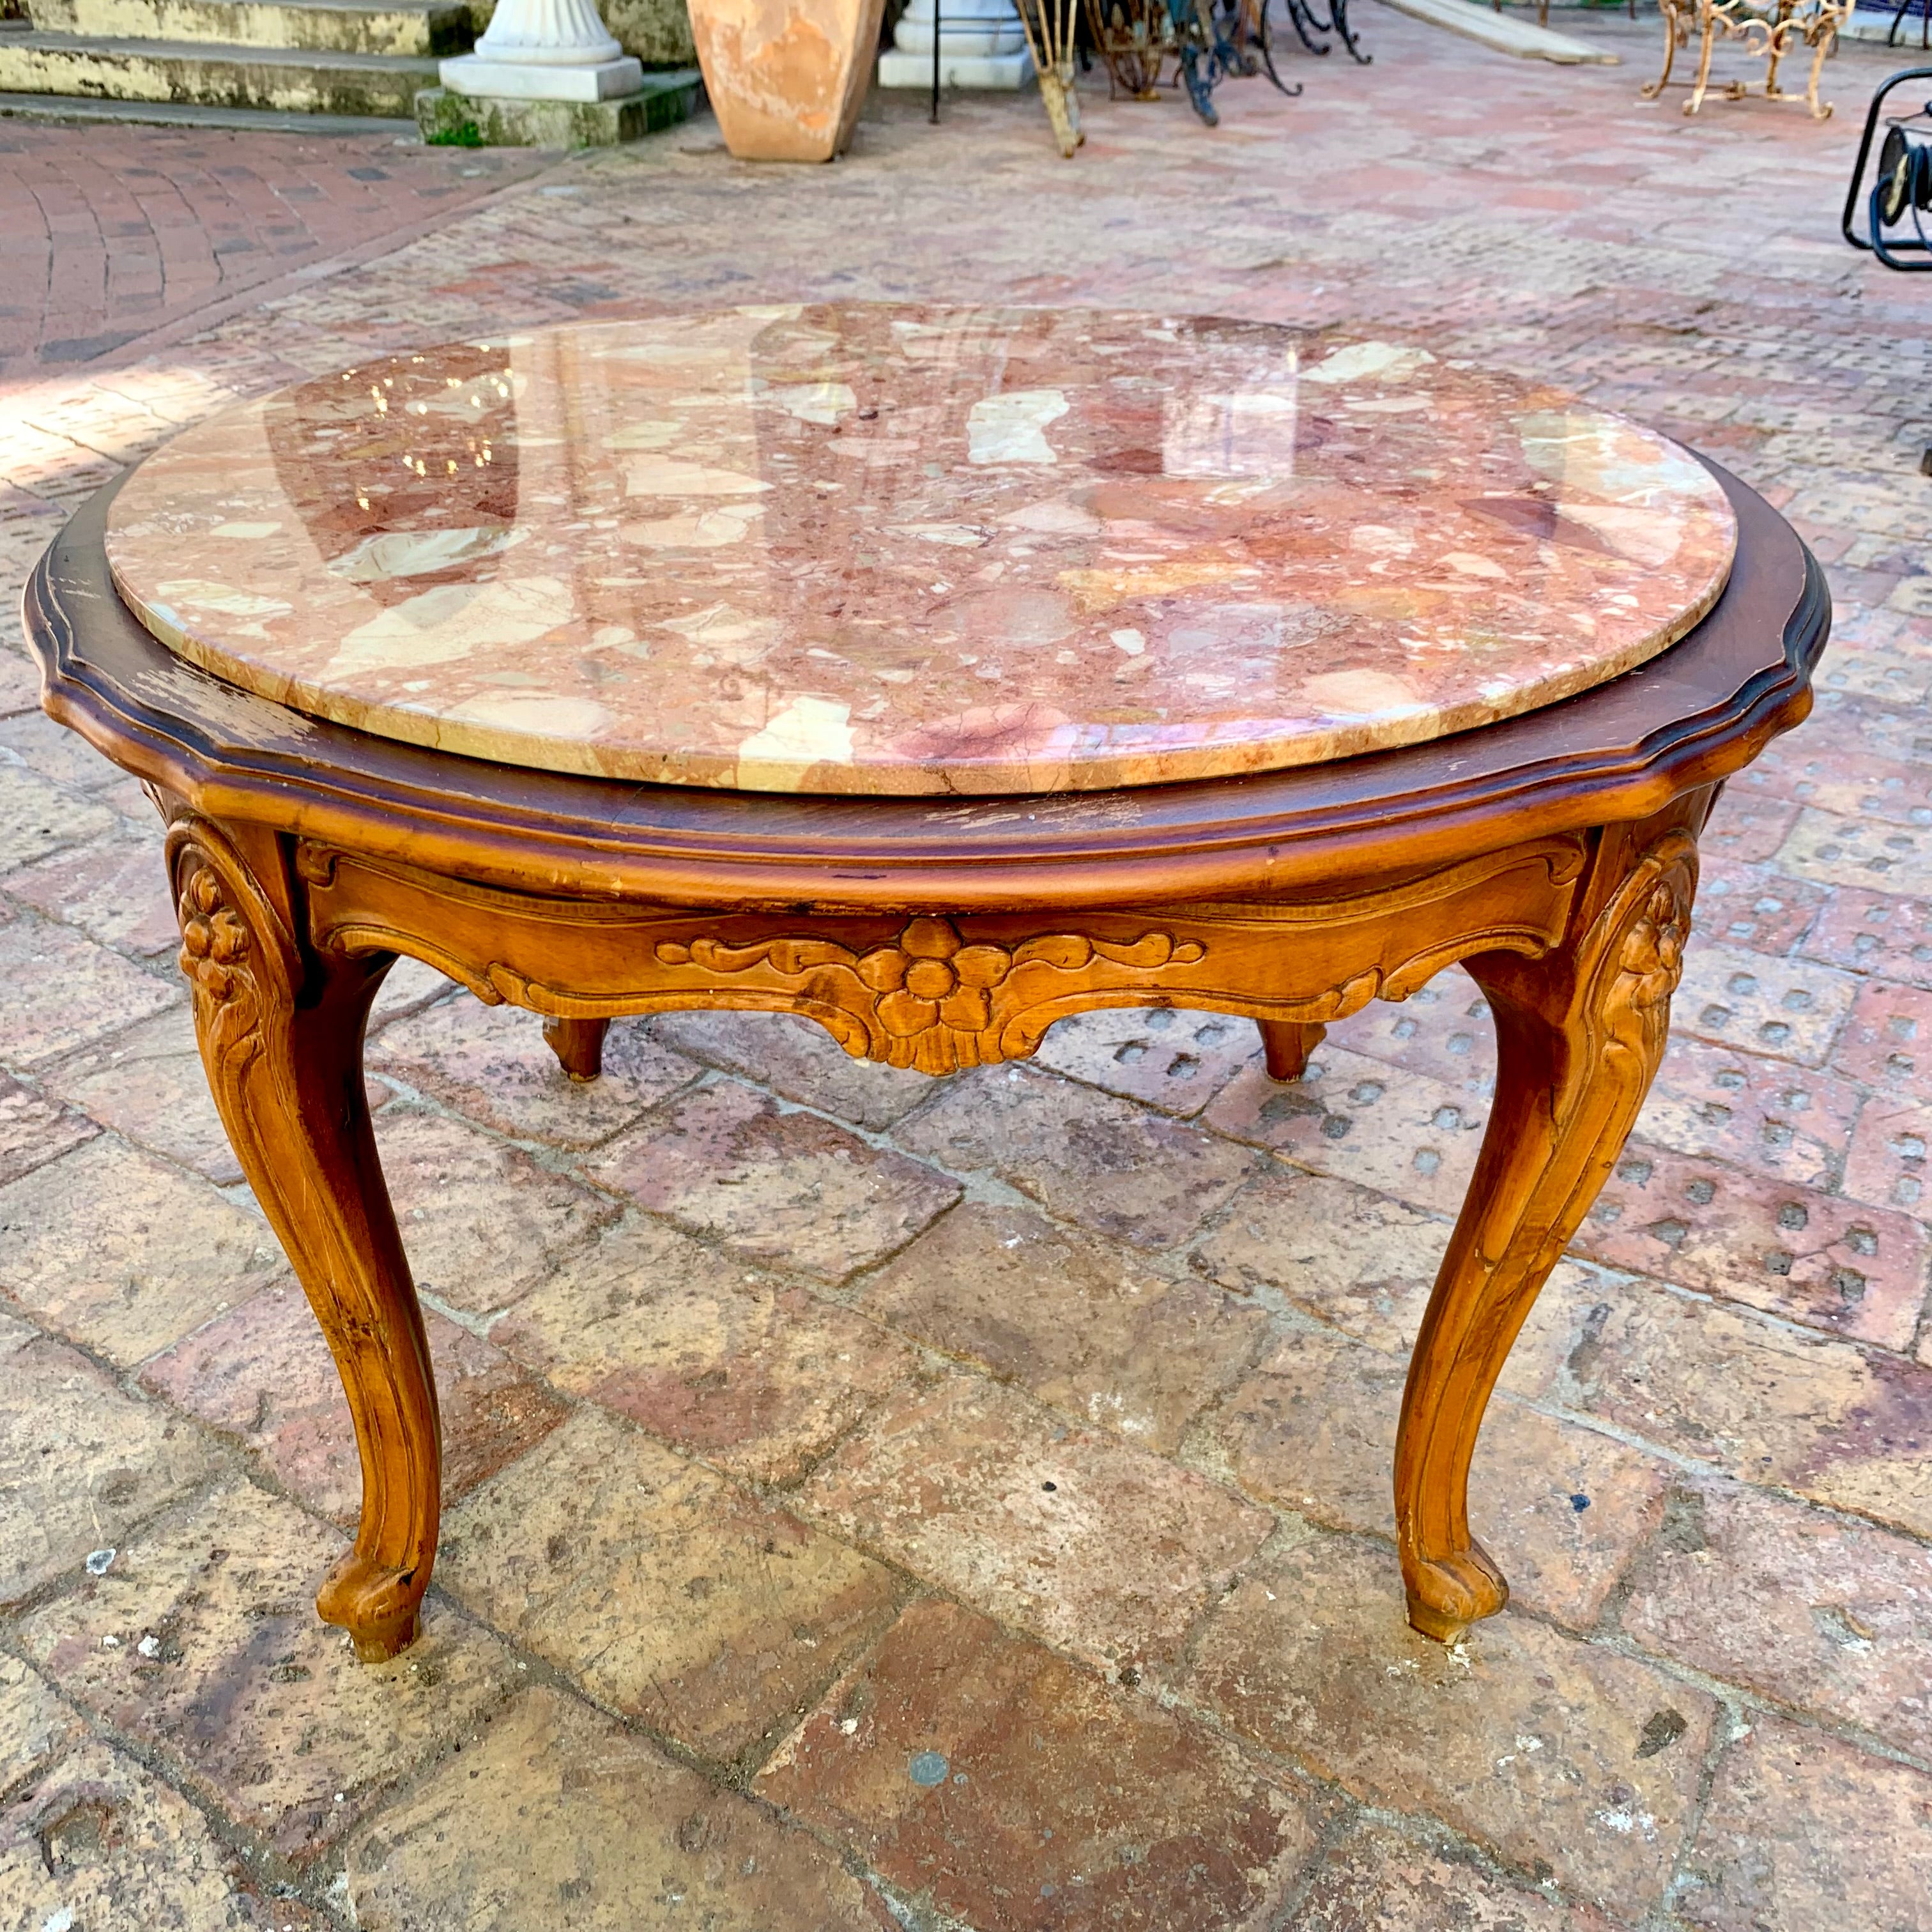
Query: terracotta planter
x=786 y=77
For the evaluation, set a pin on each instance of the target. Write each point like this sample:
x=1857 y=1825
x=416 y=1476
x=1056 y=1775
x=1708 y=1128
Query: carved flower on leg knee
x=1653 y=949
x=213 y=939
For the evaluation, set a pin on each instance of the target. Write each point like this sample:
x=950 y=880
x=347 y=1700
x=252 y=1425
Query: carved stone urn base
x=786 y=78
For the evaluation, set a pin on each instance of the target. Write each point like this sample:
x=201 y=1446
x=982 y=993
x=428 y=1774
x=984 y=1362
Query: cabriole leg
x=1579 y=1035
x=1286 y=1045
x=281 y=1032
x=578 y=1045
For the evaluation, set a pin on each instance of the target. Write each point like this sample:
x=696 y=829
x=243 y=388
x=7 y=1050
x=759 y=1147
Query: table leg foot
x=280 y=1027
x=1448 y=1594
x=377 y=1606
x=1286 y=1045
x=578 y=1045
x=1579 y=1035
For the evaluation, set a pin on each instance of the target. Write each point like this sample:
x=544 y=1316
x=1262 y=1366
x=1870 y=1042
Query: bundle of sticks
x=1049 y=32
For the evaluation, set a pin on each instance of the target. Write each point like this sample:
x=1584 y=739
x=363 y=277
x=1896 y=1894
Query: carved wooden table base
x=1576 y=940
x=1554 y=856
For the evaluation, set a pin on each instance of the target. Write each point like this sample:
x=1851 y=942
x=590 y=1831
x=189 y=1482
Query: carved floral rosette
x=928 y=1000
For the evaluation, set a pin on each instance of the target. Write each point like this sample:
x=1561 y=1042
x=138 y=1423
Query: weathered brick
x=1887 y=1161
x=59 y=990
x=1858 y=853
x=1088 y=1157
x=124 y=1253
x=1376 y=1879
x=1168 y=1058
x=1847 y=1425
x=1102 y=1549
x=38 y=816
x=666 y=1592
x=94 y=1839
x=35 y=1727
x=1882 y=933
x=1363 y=1264
x=81 y=1461
x=1838 y=1265
x=1763 y=1114
x=491 y=1064
x=1530 y=1742
x=34 y=1130
x=263 y=1373
x=1751 y=1002
x=200 y=1642
x=482 y=1222
x=1887 y=1042
x=1081 y=1324
x=1361 y=1119
x=1561 y=1508
x=799 y=1059
x=789 y=1188
x=1759 y=906
x=115 y=892
x=761 y=1381
x=985 y=1774
x=1443 y=1031
x=1745 y=828
x=147 y=1084
x=1810 y=1834
x=64 y=757
x=558 y=1817
x=1820 y=1613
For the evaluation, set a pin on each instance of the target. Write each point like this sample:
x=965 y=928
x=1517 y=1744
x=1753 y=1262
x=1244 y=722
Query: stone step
x=286 y=79
x=1520 y=38
x=184 y=114
x=430 y=27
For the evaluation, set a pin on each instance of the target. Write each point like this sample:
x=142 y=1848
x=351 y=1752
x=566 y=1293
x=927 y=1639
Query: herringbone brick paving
x=110 y=233
x=874 y=1502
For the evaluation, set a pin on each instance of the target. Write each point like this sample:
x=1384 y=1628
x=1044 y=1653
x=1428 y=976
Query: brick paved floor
x=110 y=233
x=864 y=1509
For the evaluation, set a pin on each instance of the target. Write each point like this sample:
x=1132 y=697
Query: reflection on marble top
x=874 y=548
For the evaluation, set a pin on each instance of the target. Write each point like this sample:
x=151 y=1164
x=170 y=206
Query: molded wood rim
x=1690 y=717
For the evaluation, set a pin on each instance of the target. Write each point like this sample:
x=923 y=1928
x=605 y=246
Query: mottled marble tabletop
x=905 y=550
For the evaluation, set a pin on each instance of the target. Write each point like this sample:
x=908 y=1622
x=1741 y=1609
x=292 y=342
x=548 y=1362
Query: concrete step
x=184 y=114
x=428 y=27
x=287 y=80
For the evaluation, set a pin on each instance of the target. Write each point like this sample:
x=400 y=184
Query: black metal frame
x=1307 y=23
x=1875 y=243
x=1925 y=25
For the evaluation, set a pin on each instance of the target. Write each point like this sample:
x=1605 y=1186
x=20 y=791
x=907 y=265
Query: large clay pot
x=786 y=78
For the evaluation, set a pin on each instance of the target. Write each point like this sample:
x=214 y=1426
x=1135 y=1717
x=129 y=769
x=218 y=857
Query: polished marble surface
x=889 y=549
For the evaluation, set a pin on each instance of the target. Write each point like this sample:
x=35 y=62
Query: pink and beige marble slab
x=903 y=550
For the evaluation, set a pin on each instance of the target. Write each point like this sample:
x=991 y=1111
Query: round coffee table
x=932 y=674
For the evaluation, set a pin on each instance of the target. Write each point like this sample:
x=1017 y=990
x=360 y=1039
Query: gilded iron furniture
x=1553 y=853
x=1769 y=32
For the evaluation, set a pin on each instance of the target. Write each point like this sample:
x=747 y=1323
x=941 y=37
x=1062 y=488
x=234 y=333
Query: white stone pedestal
x=981 y=44
x=545 y=50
